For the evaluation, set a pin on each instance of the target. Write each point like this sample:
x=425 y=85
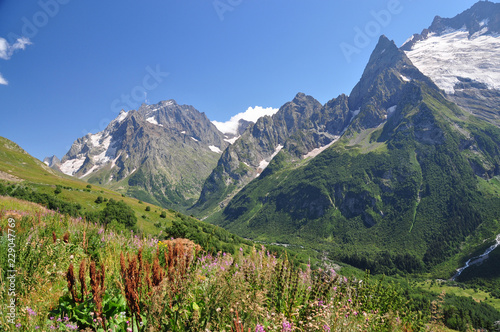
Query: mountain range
x=393 y=177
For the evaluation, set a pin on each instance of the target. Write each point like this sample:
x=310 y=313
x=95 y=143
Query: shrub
x=120 y=212
x=58 y=190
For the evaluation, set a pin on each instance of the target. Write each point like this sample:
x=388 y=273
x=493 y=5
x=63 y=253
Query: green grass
x=476 y=294
x=208 y=292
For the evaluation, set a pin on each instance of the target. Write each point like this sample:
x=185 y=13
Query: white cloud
x=6 y=50
x=251 y=114
x=3 y=81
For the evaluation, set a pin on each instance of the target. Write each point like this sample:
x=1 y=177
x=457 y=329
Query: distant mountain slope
x=160 y=153
x=461 y=56
x=399 y=191
x=302 y=127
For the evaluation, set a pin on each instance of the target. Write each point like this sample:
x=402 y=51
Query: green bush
x=120 y=212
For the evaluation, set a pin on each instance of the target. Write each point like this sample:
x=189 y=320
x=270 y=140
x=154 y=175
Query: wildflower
x=259 y=328
x=52 y=318
x=326 y=328
x=30 y=311
x=37 y=327
x=18 y=325
x=287 y=326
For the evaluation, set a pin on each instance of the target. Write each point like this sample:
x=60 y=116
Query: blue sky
x=67 y=67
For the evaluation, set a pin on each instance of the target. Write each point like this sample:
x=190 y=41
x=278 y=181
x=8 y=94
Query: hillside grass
x=177 y=288
x=476 y=294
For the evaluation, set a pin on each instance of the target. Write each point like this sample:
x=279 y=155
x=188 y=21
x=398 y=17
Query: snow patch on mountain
x=404 y=78
x=215 y=149
x=452 y=54
x=265 y=162
x=94 y=139
x=153 y=121
x=122 y=116
x=313 y=153
x=72 y=166
x=232 y=140
x=89 y=171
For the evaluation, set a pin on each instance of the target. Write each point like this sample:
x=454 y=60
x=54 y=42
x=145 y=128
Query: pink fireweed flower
x=287 y=326
x=30 y=311
x=259 y=328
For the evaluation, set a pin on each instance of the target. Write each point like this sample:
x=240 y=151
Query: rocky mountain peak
x=483 y=14
x=460 y=55
x=52 y=162
x=481 y=19
x=381 y=84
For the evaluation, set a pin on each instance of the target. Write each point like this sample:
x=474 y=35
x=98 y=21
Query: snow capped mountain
x=161 y=152
x=453 y=54
x=461 y=55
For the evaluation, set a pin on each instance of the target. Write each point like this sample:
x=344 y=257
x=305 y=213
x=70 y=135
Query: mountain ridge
x=400 y=184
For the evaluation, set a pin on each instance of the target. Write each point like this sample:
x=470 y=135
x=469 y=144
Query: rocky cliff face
x=160 y=153
x=300 y=127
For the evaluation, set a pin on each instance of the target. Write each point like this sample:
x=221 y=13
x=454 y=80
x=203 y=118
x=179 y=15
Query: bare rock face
x=297 y=129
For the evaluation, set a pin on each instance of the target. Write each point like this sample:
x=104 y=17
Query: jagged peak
x=301 y=99
x=483 y=14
